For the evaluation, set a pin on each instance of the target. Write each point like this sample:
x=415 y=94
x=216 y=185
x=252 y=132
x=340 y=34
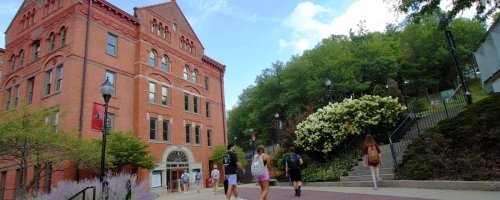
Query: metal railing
x=418 y=118
x=83 y=193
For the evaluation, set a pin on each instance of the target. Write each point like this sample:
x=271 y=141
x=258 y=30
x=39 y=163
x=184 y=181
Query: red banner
x=97 y=117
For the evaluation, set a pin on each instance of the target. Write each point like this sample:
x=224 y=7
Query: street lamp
x=107 y=90
x=328 y=85
x=452 y=48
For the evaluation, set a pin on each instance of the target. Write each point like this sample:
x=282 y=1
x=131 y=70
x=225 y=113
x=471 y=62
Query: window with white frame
x=196 y=78
x=197 y=135
x=36 y=50
x=21 y=58
x=209 y=138
x=188 y=133
x=207 y=81
x=186 y=101
x=195 y=104
x=59 y=72
x=52 y=41
x=152 y=92
x=111 y=76
x=62 y=34
x=152 y=128
x=207 y=109
x=186 y=72
x=164 y=95
x=16 y=96
x=152 y=58
x=7 y=99
x=31 y=85
x=164 y=63
x=166 y=130
x=112 y=44
x=48 y=82
x=12 y=62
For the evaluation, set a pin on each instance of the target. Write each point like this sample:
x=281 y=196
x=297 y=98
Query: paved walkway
x=252 y=192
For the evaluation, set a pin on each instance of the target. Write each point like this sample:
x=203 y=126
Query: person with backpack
x=372 y=159
x=185 y=181
x=215 y=178
x=293 y=170
x=231 y=165
x=197 y=180
x=261 y=168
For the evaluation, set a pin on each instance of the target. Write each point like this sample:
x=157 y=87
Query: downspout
x=223 y=107
x=84 y=78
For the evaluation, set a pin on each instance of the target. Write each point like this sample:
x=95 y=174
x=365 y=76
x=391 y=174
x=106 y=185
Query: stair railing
x=83 y=193
x=397 y=140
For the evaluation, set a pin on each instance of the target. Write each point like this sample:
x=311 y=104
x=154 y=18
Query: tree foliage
x=220 y=150
x=124 y=149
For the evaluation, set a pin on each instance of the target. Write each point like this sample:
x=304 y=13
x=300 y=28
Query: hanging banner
x=97 y=117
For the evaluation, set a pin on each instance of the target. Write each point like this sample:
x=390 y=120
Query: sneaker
x=185 y=193
x=240 y=198
x=298 y=192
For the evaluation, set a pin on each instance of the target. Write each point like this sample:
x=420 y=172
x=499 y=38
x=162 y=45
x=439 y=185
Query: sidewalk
x=252 y=192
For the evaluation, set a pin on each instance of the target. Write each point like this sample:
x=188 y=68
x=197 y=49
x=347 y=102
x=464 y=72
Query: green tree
x=28 y=138
x=124 y=149
x=416 y=9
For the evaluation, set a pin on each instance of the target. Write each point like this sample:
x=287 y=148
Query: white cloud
x=308 y=25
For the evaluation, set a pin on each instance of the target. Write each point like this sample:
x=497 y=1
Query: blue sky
x=249 y=35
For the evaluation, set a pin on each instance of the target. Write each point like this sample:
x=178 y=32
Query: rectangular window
x=36 y=186
x=3 y=178
x=207 y=80
x=207 y=107
x=48 y=177
x=195 y=104
x=36 y=50
x=152 y=92
x=152 y=128
x=7 y=99
x=197 y=135
x=209 y=138
x=16 y=96
x=186 y=101
x=188 y=133
x=156 y=179
x=59 y=72
x=31 y=85
x=112 y=43
x=110 y=125
x=48 y=82
x=111 y=76
x=164 y=95
x=166 y=129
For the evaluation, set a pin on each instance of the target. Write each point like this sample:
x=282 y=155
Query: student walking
x=293 y=170
x=261 y=168
x=197 y=180
x=372 y=159
x=215 y=178
x=231 y=165
x=185 y=181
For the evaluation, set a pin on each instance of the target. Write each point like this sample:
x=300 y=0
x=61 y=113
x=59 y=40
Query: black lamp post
x=328 y=85
x=452 y=48
x=107 y=90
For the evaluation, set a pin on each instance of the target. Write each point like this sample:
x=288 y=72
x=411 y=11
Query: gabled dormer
x=167 y=22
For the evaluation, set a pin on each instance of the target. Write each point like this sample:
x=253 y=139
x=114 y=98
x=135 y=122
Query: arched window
x=36 y=50
x=196 y=76
x=153 y=26
x=177 y=156
x=62 y=34
x=164 y=63
x=52 y=41
x=21 y=58
x=160 y=28
x=165 y=33
x=12 y=62
x=32 y=17
x=152 y=58
x=186 y=72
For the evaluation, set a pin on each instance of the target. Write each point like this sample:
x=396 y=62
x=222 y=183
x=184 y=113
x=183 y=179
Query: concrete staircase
x=361 y=176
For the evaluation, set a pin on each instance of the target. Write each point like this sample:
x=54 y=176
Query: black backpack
x=293 y=161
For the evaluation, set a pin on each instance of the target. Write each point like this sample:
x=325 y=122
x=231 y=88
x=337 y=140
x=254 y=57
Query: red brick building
x=168 y=92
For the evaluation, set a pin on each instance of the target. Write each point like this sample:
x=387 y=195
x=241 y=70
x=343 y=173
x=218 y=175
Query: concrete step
x=385 y=164
x=362 y=172
x=366 y=177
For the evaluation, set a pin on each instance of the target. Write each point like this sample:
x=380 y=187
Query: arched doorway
x=177 y=162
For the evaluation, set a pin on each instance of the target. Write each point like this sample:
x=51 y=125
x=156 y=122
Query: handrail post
x=394 y=156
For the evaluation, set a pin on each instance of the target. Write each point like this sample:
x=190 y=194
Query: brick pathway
x=288 y=194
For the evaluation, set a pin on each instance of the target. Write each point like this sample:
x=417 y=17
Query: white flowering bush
x=328 y=127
